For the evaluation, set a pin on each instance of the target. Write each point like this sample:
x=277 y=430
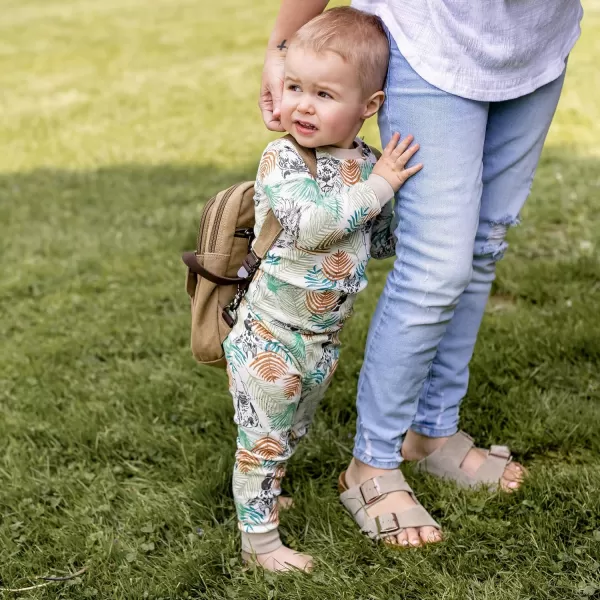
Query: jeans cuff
x=378 y=464
x=433 y=433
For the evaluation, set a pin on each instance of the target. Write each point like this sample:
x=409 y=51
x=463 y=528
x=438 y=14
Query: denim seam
x=398 y=258
x=378 y=464
x=433 y=432
x=428 y=380
x=362 y=456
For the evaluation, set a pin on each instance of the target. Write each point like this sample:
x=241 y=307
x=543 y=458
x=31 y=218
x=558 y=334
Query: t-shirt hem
x=492 y=92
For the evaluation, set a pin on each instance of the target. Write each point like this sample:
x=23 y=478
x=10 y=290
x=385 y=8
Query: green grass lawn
x=118 y=119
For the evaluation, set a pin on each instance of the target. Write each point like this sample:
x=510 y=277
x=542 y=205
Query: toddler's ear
x=373 y=104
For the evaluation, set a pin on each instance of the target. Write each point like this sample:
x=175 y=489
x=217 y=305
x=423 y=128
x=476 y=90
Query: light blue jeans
x=479 y=160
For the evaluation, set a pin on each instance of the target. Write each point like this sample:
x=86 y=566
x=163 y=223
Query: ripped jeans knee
x=491 y=236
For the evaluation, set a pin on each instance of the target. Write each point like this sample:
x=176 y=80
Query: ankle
x=358 y=471
x=417 y=446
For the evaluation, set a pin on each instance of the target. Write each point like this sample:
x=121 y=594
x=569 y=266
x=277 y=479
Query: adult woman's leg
x=438 y=213
x=515 y=134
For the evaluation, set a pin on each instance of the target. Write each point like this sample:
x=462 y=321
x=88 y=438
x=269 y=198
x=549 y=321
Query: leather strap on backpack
x=191 y=262
x=271 y=229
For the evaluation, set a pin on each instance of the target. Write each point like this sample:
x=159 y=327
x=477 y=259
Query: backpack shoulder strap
x=308 y=155
x=268 y=235
x=272 y=228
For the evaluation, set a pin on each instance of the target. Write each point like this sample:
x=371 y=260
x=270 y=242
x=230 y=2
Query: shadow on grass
x=103 y=247
x=134 y=195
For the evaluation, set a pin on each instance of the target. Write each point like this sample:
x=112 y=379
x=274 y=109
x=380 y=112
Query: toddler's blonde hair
x=358 y=37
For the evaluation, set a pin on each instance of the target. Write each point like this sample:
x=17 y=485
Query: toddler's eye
x=293 y=87
x=324 y=95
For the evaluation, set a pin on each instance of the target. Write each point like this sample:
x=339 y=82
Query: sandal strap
x=456 y=448
x=393 y=523
x=446 y=462
x=359 y=497
x=492 y=469
x=376 y=488
x=371 y=491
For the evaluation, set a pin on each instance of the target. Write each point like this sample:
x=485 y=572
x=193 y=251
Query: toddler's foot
x=267 y=551
x=416 y=447
x=280 y=560
x=285 y=502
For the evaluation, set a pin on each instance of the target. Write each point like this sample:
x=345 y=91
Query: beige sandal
x=359 y=497
x=445 y=462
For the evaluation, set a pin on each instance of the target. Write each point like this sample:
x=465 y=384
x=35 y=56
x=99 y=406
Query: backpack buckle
x=229 y=317
x=229 y=313
x=249 y=265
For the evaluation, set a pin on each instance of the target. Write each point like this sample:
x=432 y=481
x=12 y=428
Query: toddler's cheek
x=286 y=117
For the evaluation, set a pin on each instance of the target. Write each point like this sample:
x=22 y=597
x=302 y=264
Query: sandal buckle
x=370 y=491
x=500 y=452
x=389 y=527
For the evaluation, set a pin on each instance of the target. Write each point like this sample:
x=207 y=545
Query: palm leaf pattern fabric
x=276 y=378
x=284 y=347
x=332 y=225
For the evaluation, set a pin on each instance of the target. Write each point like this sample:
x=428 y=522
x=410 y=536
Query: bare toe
x=511 y=475
x=517 y=470
x=509 y=485
x=429 y=535
x=413 y=536
x=403 y=538
x=285 y=502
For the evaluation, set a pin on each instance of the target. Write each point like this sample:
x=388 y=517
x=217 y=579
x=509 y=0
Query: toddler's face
x=322 y=103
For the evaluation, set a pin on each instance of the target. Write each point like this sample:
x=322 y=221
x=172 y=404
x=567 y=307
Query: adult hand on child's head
x=271 y=89
x=392 y=164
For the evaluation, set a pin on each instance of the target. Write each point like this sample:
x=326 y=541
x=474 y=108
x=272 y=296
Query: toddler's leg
x=266 y=389
x=321 y=363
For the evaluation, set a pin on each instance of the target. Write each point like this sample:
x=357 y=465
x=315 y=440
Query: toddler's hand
x=391 y=165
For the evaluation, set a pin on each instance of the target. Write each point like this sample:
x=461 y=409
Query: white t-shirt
x=487 y=50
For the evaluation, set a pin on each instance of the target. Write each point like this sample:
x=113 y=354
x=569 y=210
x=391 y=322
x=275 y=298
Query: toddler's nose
x=305 y=106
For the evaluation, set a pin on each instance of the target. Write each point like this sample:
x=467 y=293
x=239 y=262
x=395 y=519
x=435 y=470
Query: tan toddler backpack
x=225 y=260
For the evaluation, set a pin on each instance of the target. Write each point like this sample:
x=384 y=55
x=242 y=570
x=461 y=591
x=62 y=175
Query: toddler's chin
x=306 y=143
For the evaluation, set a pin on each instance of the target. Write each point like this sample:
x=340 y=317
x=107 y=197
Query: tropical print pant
x=277 y=376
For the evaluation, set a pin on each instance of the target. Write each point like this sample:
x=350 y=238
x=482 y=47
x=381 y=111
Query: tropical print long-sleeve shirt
x=332 y=225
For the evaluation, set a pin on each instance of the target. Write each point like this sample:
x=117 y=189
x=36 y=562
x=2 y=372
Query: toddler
x=284 y=347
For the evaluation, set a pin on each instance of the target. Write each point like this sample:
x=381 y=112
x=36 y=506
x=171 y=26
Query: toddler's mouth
x=305 y=125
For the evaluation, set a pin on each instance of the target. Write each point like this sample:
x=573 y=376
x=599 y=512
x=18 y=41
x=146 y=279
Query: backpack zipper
x=244 y=232
x=203 y=223
x=220 y=210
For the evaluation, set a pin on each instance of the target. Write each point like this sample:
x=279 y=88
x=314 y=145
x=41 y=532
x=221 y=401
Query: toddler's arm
x=392 y=167
x=316 y=220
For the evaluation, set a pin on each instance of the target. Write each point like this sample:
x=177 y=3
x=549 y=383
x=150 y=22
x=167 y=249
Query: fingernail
x=513 y=485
